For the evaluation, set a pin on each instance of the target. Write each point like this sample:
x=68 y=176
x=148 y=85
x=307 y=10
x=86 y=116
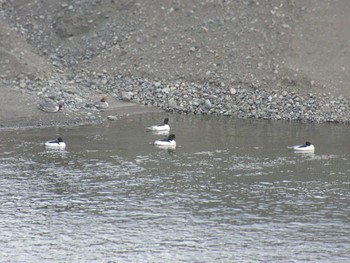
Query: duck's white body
x=161 y=127
x=169 y=142
x=57 y=144
x=160 y=132
x=307 y=147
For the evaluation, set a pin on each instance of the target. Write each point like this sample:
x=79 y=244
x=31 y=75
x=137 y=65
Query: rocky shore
x=246 y=59
x=243 y=100
x=240 y=101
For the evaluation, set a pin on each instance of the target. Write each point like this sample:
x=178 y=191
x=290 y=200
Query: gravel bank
x=242 y=100
x=246 y=59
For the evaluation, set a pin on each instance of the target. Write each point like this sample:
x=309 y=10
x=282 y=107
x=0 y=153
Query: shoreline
x=19 y=108
x=26 y=115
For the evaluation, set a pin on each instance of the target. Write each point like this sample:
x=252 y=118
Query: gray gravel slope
x=279 y=59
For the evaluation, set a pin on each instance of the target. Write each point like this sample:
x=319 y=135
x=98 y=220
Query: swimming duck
x=161 y=127
x=306 y=147
x=169 y=142
x=51 y=107
x=58 y=144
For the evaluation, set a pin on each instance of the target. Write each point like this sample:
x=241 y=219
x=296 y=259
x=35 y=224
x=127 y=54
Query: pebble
x=207 y=104
x=112 y=118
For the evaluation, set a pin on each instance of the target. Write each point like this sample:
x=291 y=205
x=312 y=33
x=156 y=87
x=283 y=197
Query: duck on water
x=160 y=127
x=168 y=142
x=306 y=147
x=57 y=144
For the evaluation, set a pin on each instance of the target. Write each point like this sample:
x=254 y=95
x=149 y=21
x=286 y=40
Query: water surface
x=230 y=192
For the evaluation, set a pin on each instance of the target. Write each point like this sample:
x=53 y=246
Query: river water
x=230 y=192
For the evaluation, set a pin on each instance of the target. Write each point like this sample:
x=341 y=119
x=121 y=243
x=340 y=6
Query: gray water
x=230 y=192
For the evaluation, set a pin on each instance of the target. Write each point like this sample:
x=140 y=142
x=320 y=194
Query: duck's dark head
x=307 y=143
x=104 y=99
x=59 y=139
x=60 y=104
x=171 y=137
x=166 y=121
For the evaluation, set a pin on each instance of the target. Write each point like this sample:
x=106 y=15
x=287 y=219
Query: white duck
x=161 y=127
x=306 y=147
x=57 y=144
x=168 y=142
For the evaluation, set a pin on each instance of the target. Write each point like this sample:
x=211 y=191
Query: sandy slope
x=300 y=46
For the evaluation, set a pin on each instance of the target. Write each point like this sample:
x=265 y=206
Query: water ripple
x=214 y=204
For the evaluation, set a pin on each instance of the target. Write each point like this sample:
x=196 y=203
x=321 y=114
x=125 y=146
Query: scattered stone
x=127 y=96
x=233 y=91
x=112 y=118
x=172 y=104
x=207 y=104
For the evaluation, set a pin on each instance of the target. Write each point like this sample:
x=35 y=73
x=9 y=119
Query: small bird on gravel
x=50 y=106
x=102 y=104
